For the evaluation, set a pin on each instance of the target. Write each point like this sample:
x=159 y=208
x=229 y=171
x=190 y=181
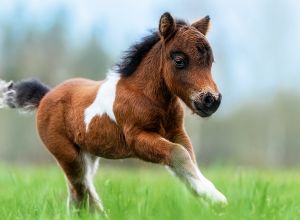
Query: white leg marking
x=92 y=163
x=85 y=177
x=104 y=101
x=188 y=172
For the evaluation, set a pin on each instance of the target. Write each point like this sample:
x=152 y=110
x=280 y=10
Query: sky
x=255 y=43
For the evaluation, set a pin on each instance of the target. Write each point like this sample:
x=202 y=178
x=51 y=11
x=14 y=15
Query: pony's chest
x=105 y=139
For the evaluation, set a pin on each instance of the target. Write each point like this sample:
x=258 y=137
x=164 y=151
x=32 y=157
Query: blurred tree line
x=259 y=132
x=29 y=51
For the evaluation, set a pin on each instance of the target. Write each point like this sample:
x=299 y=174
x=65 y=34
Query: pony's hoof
x=215 y=197
x=219 y=198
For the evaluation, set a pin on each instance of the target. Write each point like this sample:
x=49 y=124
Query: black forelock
x=133 y=56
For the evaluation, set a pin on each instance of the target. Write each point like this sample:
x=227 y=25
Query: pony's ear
x=167 y=25
x=202 y=25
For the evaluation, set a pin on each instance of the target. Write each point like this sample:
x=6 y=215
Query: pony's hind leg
x=81 y=189
x=79 y=167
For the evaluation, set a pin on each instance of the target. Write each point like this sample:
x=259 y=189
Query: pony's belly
x=105 y=139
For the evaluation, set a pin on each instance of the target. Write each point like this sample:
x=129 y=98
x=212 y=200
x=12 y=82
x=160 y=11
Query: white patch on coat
x=104 y=101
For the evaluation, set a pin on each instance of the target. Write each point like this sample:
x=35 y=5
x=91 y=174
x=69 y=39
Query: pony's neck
x=148 y=77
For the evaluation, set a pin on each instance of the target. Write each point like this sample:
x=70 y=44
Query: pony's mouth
x=199 y=111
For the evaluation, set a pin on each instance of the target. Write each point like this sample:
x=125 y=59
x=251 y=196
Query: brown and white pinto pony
x=134 y=113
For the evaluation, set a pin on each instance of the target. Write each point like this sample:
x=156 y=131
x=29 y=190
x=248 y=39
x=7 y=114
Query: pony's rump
x=24 y=95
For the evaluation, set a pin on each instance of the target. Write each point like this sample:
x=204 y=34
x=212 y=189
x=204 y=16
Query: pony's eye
x=179 y=63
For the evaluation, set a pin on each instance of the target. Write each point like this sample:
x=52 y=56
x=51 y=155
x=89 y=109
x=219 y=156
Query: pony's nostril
x=208 y=101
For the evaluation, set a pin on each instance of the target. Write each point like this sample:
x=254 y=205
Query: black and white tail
x=24 y=95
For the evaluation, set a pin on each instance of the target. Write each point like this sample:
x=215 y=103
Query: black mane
x=133 y=56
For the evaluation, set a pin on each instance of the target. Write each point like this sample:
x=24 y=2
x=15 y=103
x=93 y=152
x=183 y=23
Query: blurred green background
x=256 y=48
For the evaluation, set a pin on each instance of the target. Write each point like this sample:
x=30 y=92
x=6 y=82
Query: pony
x=136 y=112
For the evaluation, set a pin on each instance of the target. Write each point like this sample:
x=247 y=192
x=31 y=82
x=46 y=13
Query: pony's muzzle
x=207 y=104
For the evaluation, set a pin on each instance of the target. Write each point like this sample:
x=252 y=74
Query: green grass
x=40 y=193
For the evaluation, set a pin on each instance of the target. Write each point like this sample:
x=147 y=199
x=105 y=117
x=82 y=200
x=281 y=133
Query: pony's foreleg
x=182 y=138
x=153 y=148
x=187 y=171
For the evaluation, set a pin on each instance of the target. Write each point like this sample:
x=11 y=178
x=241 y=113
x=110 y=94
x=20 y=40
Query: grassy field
x=40 y=193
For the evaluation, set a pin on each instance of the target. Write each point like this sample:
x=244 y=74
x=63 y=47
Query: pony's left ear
x=167 y=25
x=202 y=25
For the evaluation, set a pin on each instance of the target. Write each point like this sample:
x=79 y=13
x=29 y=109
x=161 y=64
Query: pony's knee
x=181 y=159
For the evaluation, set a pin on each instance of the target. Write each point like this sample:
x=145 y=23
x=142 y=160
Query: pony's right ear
x=167 y=25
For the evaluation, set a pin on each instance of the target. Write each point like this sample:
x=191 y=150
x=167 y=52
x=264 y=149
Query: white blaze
x=104 y=100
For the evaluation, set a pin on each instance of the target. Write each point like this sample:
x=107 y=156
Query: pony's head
x=187 y=61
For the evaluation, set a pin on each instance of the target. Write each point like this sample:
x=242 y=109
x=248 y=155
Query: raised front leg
x=153 y=148
x=197 y=183
x=184 y=168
